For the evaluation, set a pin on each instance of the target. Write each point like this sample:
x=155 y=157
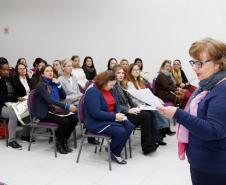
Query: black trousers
x=66 y=125
x=202 y=178
x=146 y=120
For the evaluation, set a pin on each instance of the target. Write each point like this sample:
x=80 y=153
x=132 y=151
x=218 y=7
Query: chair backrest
x=81 y=113
x=153 y=86
x=31 y=100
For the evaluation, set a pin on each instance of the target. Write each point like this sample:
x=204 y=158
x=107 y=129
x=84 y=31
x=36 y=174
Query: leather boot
x=60 y=148
x=66 y=147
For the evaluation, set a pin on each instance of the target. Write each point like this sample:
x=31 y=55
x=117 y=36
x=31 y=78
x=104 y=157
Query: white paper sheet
x=146 y=96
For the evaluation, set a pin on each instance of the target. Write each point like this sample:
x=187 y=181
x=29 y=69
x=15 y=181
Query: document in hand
x=146 y=96
x=20 y=109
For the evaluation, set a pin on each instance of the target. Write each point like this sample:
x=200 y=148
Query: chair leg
x=95 y=151
x=174 y=122
x=54 y=143
x=109 y=154
x=31 y=136
x=125 y=148
x=80 y=149
x=130 y=148
x=6 y=135
x=102 y=142
x=75 y=138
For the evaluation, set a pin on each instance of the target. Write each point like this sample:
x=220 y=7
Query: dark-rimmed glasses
x=198 y=64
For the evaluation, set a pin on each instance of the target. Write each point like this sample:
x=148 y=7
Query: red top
x=109 y=99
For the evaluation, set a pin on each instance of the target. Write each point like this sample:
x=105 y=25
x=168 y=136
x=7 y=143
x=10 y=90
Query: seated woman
x=161 y=123
x=125 y=65
x=36 y=77
x=165 y=85
x=103 y=116
x=69 y=83
x=181 y=79
x=79 y=73
x=57 y=69
x=111 y=63
x=89 y=68
x=71 y=88
x=49 y=94
x=134 y=114
x=24 y=83
x=9 y=92
x=179 y=75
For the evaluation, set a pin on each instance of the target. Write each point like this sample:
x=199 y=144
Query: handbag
x=58 y=110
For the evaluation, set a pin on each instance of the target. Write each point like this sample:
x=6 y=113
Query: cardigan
x=72 y=91
x=206 y=150
x=96 y=111
x=41 y=105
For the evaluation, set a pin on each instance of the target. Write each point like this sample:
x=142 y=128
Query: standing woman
x=89 y=69
x=50 y=93
x=204 y=116
x=102 y=114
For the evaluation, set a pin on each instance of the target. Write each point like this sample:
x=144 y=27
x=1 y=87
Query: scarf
x=192 y=106
x=169 y=74
x=54 y=93
x=177 y=76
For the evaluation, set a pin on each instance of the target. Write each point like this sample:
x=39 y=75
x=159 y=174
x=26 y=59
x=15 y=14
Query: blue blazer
x=41 y=105
x=206 y=150
x=97 y=115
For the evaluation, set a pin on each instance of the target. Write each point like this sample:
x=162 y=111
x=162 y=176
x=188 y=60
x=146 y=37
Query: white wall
x=151 y=29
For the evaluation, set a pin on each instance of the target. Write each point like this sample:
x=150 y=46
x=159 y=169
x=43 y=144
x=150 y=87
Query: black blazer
x=18 y=92
x=20 y=85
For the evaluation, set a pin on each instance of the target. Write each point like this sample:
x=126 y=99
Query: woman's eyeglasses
x=198 y=64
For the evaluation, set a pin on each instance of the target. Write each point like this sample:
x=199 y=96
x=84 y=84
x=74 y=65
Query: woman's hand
x=73 y=108
x=168 y=111
x=21 y=99
x=55 y=80
x=134 y=111
x=119 y=117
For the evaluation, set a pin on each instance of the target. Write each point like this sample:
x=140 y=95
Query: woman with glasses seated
x=202 y=129
x=102 y=114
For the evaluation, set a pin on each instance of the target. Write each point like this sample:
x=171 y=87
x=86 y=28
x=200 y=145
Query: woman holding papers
x=135 y=83
x=103 y=116
x=134 y=114
x=202 y=129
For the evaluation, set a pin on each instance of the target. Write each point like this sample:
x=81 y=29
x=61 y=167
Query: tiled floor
x=40 y=167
